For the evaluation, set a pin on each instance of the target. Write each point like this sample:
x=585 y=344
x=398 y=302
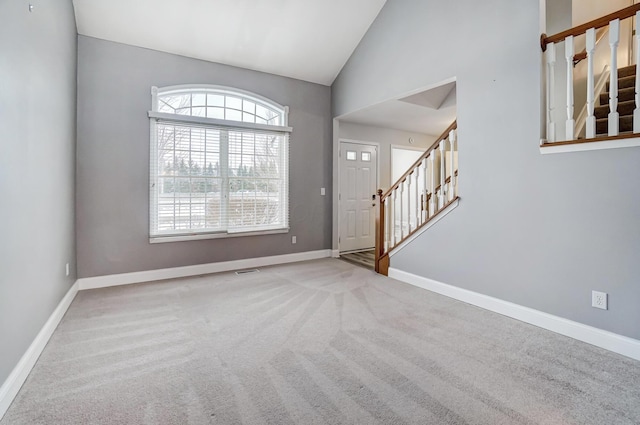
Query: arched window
x=219 y=164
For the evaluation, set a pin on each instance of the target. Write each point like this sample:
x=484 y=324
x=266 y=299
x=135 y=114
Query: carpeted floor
x=320 y=342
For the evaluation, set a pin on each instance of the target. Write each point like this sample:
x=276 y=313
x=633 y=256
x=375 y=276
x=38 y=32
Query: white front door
x=358 y=179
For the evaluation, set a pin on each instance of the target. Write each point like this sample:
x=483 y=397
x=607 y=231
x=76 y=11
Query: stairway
x=626 y=103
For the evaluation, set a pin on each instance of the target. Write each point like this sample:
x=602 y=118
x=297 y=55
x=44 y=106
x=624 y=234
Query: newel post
x=380 y=220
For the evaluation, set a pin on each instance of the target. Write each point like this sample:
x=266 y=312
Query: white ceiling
x=309 y=40
x=428 y=112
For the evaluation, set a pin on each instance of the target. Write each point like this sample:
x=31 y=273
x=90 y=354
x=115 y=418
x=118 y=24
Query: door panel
x=358 y=180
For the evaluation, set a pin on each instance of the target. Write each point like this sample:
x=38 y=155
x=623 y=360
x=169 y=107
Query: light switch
x=322 y=191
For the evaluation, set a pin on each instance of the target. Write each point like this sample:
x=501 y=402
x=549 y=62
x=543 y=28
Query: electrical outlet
x=293 y=239
x=66 y=268
x=599 y=300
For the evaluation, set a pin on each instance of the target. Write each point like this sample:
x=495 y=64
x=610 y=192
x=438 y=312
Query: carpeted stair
x=626 y=103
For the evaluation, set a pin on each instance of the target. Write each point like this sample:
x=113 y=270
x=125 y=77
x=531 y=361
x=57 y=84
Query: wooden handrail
x=603 y=21
x=443 y=136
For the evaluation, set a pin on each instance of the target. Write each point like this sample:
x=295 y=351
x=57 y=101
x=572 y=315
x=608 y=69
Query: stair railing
x=428 y=187
x=549 y=43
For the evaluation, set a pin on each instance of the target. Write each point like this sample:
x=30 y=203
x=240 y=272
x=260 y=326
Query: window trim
x=156 y=117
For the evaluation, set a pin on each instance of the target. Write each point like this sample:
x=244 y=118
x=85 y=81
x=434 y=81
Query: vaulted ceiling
x=309 y=40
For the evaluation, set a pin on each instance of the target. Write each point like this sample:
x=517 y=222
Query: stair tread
x=624 y=95
x=626 y=71
x=625 y=125
x=624 y=82
x=624 y=108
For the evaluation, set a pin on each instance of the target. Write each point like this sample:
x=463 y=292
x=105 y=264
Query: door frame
x=404 y=147
x=336 y=253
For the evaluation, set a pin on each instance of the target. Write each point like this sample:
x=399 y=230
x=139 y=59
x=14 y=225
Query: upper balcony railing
x=627 y=102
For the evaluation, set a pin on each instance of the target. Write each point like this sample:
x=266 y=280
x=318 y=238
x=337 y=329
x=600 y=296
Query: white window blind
x=211 y=176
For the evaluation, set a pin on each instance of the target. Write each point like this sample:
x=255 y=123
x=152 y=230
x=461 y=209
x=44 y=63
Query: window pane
x=351 y=156
x=233 y=115
x=198 y=99
x=199 y=111
x=175 y=101
x=246 y=117
x=366 y=156
x=234 y=102
x=217 y=113
x=215 y=100
x=249 y=107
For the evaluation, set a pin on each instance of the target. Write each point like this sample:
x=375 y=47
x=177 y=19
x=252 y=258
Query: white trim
x=422 y=229
x=335 y=253
x=165 y=117
x=198 y=269
x=604 y=339
x=19 y=374
x=591 y=146
x=199 y=236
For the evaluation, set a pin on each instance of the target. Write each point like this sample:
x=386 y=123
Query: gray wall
x=114 y=83
x=540 y=231
x=37 y=163
x=385 y=137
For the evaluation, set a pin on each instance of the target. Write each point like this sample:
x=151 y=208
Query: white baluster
x=425 y=206
x=408 y=203
x=387 y=224
x=443 y=177
x=568 y=54
x=452 y=142
x=614 y=39
x=551 y=88
x=393 y=212
x=432 y=200
x=417 y=195
x=591 y=119
x=636 y=112
x=401 y=211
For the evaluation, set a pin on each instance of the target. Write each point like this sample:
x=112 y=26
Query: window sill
x=599 y=143
x=203 y=236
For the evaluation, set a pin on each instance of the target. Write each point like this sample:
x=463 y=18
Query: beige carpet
x=320 y=342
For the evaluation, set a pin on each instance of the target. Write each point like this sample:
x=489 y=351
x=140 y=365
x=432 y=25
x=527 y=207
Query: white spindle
x=432 y=200
x=551 y=88
x=568 y=54
x=636 y=111
x=387 y=224
x=417 y=195
x=425 y=206
x=409 y=203
x=442 y=176
x=401 y=211
x=591 y=119
x=614 y=39
x=452 y=141
x=394 y=214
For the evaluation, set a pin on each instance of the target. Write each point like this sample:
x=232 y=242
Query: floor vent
x=239 y=272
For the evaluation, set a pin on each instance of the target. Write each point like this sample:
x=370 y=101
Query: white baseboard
x=198 y=269
x=335 y=253
x=608 y=340
x=19 y=374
